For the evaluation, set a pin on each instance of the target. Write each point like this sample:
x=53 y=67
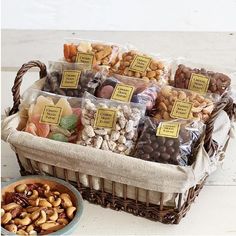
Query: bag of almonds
x=50 y=116
x=136 y=64
x=72 y=79
x=127 y=89
x=200 y=78
x=173 y=142
x=91 y=52
x=110 y=125
x=174 y=103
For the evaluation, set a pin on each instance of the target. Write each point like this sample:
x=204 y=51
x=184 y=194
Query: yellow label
x=51 y=115
x=181 y=109
x=168 y=129
x=85 y=58
x=198 y=83
x=123 y=93
x=70 y=79
x=140 y=63
x=105 y=118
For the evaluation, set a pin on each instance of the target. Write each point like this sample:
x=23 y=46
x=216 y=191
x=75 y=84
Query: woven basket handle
x=226 y=104
x=18 y=80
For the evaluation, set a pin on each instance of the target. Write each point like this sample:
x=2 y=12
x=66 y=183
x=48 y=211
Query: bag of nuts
x=173 y=103
x=91 y=52
x=110 y=125
x=173 y=142
x=200 y=78
x=72 y=79
x=127 y=89
x=140 y=65
x=50 y=116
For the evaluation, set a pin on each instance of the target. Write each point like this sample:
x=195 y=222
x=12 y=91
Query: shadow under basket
x=120 y=196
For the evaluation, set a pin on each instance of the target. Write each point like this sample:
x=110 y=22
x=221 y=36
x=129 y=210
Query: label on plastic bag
x=168 y=129
x=105 y=118
x=122 y=93
x=70 y=79
x=198 y=83
x=85 y=58
x=181 y=109
x=51 y=115
x=140 y=64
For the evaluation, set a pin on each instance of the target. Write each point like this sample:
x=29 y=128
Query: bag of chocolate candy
x=200 y=78
x=91 y=52
x=51 y=116
x=139 y=65
x=174 y=103
x=110 y=125
x=174 y=142
x=72 y=79
x=127 y=89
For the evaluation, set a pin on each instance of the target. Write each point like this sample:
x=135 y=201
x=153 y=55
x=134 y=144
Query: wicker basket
x=141 y=206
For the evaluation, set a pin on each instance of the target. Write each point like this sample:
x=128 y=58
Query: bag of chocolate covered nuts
x=200 y=78
x=72 y=79
x=169 y=142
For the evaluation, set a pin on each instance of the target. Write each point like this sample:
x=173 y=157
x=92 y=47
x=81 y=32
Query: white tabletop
x=214 y=210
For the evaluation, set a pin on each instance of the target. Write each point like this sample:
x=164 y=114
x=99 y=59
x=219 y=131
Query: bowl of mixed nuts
x=39 y=205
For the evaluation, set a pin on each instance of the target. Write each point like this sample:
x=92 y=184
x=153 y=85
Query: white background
x=132 y=15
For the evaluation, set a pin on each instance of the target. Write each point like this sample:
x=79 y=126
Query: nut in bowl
x=39 y=205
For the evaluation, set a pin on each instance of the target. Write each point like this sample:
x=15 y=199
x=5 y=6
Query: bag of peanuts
x=72 y=79
x=136 y=64
x=110 y=125
x=174 y=103
x=200 y=78
x=170 y=142
x=50 y=116
x=127 y=89
x=91 y=52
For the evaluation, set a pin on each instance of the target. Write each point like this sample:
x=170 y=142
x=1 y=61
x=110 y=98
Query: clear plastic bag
x=137 y=64
x=51 y=116
x=72 y=79
x=143 y=92
x=200 y=78
x=161 y=147
x=110 y=125
x=175 y=103
x=94 y=52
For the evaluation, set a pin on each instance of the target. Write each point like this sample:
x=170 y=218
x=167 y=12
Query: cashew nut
x=10 y=206
x=70 y=212
x=63 y=221
x=12 y=228
x=29 y=228
x=35 y=215
x=54 y=202
x=6 y=218
x=66 y=202
x=42 y=219
x=46 y=187
x=21 y=232
x=34 y=203
x=31 y=209
x=34 y=195
x=20 y=188
x=48 y=225
x=25 y=221
x=44 y=203
x=53 y=216
x=59 y=210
